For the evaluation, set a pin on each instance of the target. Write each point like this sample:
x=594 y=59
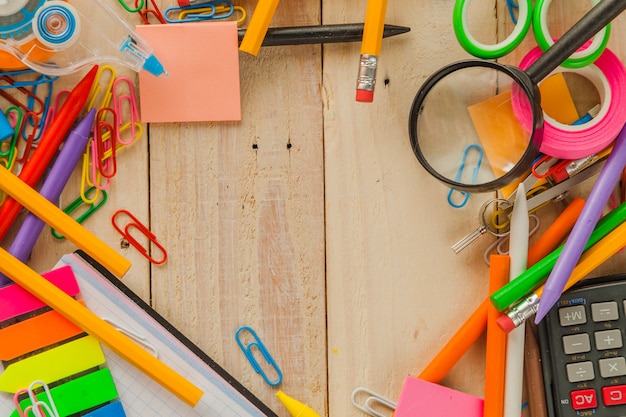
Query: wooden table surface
x=311 y=220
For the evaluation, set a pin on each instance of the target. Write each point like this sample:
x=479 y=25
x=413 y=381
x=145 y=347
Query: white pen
x=518 y=252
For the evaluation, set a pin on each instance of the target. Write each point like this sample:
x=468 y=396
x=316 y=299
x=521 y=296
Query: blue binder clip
x=247 y=350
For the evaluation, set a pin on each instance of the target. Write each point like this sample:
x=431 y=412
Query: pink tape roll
x=563 y=141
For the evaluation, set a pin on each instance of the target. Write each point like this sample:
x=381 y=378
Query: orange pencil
x=496 y=342
x=49 y=144
x=554 y=235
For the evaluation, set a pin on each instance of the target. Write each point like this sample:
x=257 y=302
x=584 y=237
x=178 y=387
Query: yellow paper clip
x=203 y=11
x=134 y=223
x=247 y=350
x=102 y=89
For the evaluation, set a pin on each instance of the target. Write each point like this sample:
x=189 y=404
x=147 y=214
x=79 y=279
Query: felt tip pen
x=51 y=189
x=50 y=141
x=575 y=244
x=532 y=278
x=320 y=34
x=295 y=407
x=590 y=260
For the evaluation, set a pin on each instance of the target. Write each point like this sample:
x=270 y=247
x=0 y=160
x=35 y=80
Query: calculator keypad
x=585 y=336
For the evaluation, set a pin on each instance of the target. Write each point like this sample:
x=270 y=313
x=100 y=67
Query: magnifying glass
x=494 y=107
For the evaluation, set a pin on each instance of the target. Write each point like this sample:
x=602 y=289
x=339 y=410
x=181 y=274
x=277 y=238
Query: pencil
x=259 y=23
x=307 y=35
x=49 y=144
x=575 y=244
x=530 y=279
x=591 y=259
x=533 y=373
x=518 y=252
x=84 y=318
x=496 y=342
x=470 y=330
x=370 y=49
x=558 y=230
x=62 y=222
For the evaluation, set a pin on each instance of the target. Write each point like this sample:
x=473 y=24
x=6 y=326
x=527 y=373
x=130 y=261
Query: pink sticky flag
x=421 y=398
x=202 y=63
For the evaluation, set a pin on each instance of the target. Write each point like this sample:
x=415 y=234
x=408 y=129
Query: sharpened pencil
x=319 y=34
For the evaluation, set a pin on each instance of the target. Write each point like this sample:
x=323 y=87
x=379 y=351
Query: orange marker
x=49 y=144
x=496 y=341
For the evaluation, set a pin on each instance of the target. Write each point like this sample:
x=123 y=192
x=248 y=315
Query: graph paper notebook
x=141 y=396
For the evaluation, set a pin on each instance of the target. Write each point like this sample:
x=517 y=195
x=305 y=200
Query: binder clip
x=134 y=223
x=247 y=350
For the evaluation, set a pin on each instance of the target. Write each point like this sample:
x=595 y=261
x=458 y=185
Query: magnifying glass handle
x=583 y=30
x=469 y=239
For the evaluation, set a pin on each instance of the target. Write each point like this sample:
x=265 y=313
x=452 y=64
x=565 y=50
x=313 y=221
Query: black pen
x=304 y=35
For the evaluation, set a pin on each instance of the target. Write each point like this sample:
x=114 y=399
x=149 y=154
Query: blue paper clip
x=247 y=350
x=459 y=173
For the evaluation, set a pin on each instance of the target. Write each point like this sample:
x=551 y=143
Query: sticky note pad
x=420 y=398
x=202 y=62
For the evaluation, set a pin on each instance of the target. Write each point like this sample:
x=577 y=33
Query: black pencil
x=303 y=35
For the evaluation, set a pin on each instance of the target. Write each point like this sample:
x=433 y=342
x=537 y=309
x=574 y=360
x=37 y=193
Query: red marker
x=48 y=145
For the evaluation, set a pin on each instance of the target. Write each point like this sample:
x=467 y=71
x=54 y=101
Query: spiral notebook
x=140 y=396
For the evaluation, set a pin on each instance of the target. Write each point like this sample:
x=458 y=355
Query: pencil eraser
x=364 y=96
x=421 y=398
x=505 y=323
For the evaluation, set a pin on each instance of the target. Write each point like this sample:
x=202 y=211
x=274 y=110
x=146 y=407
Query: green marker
x=534 y=276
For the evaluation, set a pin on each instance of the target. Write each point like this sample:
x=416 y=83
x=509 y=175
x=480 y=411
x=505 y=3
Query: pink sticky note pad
x=420 y=398
x=202 y=62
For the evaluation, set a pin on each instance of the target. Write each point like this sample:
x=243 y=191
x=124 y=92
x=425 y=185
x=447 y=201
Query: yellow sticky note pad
x=556 y=99
x=202 y=62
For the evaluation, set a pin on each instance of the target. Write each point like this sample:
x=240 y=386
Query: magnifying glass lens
x=472 y=126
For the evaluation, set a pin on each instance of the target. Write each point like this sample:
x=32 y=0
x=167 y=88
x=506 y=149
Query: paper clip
x=30 y=139
x=247 y=351
x=39 y=408
x=459 y=174
x=52 y=110
x=199 y=12
x=119 y=99
x=30 y=98
x=78 y=203
x=371 y=399
x=133 y=335
x=102 y=89
x=105 y=134
x=138 y=6
x=154 y=11
x=136 y=224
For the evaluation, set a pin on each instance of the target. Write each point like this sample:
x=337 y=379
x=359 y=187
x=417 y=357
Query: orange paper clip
x=136 y=224
x=154 y=11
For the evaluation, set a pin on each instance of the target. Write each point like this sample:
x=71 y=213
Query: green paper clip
x=74 y=205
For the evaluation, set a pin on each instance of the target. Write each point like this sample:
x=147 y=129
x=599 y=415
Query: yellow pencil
x=370 y=49
x=63 y=223
x=259 y=23
x=84 y=318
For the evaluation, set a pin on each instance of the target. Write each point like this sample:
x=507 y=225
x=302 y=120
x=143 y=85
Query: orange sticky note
x=202 y=62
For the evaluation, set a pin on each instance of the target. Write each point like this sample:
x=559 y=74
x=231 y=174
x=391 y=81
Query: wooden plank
x=240 y=208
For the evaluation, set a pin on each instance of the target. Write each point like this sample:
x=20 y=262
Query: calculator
x=583 y=350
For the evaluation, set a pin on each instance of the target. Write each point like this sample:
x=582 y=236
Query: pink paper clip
x=136 y=224
x=119 y=101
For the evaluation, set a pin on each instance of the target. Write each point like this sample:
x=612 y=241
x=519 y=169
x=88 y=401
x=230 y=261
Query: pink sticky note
x=202 y=62
x=420 y=398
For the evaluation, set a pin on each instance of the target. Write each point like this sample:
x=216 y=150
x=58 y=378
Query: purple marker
x=589 y=216
x=51 y=189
